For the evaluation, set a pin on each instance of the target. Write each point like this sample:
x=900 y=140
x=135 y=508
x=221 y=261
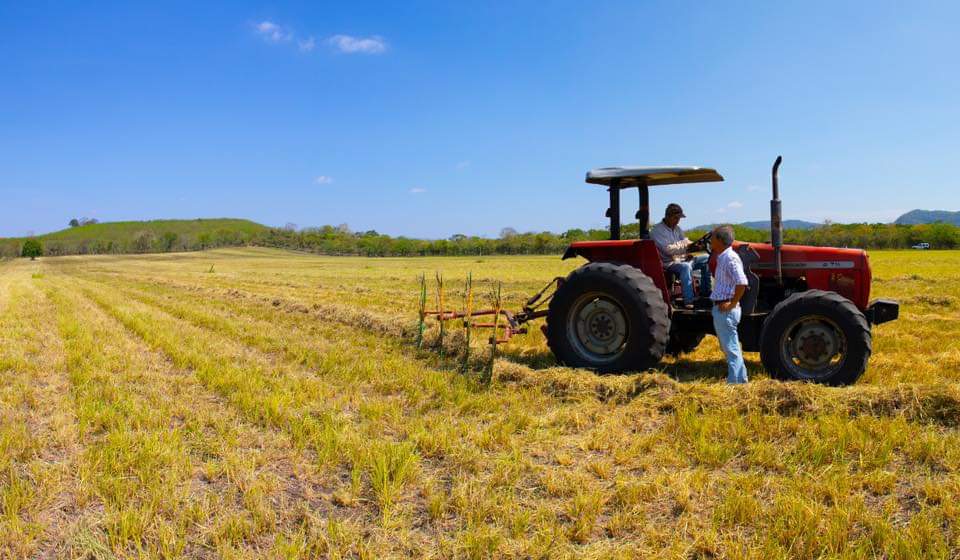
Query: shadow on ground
x=683 y=369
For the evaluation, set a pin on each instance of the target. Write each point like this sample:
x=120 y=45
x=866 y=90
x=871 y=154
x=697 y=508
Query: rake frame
x=514 y=322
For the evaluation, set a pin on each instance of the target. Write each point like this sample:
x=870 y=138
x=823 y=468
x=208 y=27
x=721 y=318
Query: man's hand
x=733 y=303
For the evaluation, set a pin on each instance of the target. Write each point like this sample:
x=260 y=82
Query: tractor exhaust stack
x=776 y=223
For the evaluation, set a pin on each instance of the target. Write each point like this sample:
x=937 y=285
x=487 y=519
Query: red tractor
x=807 y=309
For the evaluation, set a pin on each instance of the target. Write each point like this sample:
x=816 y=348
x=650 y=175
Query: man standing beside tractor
x=674 y=248
x=731 y=285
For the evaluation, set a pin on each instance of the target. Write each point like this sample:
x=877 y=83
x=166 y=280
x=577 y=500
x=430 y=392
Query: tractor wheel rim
x=813 y=348
x=598 y=328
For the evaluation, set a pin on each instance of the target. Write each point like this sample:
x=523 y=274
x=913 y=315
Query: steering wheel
x=704 y=242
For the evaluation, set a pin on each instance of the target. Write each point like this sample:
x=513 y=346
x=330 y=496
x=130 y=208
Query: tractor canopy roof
x=626 y=177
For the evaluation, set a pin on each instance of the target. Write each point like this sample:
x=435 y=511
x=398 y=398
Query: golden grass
x=256 y=403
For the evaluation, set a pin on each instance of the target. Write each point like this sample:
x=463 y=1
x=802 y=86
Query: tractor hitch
x=882 y=311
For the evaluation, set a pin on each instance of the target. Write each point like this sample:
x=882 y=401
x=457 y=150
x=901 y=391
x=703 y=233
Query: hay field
x=263 y=404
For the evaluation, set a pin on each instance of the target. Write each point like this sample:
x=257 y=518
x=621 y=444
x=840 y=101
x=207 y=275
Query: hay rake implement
x=503 y=324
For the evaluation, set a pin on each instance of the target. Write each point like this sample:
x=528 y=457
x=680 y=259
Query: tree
x=290 y=226
x=169 y=240
x=32 y=248
x=943 y=236
x=507 y=233
x=143 y=242
x=74 y=223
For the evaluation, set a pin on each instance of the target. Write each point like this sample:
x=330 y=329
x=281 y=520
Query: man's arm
x=737 y=295
x=684 y=244
x=680 y=247
x=740 y=289
x=665 y=243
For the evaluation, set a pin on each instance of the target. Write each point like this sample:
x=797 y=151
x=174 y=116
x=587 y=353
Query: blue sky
x=433 y=118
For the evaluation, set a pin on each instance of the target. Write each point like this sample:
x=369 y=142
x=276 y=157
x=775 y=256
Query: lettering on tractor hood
x=808 y=264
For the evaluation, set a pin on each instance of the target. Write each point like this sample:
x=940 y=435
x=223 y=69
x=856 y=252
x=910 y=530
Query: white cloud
x=323 y=180
x=721 y=210
x=307 y=45
x=735 y=204
x=271 y=32
x=351 y=45
x=417 y=190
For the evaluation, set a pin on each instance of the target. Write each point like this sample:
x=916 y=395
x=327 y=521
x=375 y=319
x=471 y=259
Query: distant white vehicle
x=922 y=246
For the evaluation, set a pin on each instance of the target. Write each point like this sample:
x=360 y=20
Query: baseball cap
x=673 y=209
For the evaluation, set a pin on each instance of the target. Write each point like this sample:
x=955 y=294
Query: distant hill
x=911 y=218
x=764 y=225
x=144 y=236
x=915 y=217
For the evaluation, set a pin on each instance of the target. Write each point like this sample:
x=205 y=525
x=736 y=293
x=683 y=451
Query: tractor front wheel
x=609 y=318
x=816 y=336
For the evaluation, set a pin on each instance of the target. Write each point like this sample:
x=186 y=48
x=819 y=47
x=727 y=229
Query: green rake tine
x=493 y=339
x=468 y=305
x=440 y=309
x=423 y=310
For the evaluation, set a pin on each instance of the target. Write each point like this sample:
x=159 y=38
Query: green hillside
x=142 y=237
x=929 y=217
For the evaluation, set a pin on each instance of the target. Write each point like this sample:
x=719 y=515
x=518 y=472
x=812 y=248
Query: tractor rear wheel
x=609 y=318
x=816 y=336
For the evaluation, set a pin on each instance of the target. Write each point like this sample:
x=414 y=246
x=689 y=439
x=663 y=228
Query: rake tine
x=440 y=309
x=422 y=310
x=468 y=295
x=493 y=339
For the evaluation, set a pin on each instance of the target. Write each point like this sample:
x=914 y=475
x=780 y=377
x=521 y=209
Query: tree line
x=340 y=240
x=140 y=242
x=334 y=241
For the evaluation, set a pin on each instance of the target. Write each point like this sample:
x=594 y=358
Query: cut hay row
x=168 y=468
x=937 y=403
x=38 y=429
x=348 y=464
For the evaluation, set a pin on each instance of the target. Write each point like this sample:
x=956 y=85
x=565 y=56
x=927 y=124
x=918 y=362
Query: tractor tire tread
x=651 y=307
x=857 y=332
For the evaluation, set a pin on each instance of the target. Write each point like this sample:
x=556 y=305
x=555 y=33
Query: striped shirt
x=729 y=275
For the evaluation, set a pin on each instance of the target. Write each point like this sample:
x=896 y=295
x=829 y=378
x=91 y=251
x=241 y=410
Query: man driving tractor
x=675 y=252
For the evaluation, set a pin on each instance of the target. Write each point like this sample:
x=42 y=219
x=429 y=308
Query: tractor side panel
x=638 y=253
x=844 y=271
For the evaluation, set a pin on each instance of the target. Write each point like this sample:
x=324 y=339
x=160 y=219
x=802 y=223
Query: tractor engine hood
x=845 y=271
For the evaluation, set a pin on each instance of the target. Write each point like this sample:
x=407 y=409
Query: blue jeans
x=726 y=326
x=684 y=271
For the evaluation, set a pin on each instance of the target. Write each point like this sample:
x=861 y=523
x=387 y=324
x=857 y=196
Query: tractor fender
x=638 y=253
